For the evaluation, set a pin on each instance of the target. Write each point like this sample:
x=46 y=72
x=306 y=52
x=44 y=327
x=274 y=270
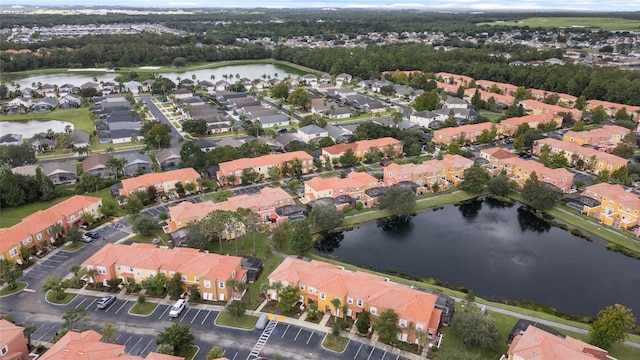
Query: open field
x=79 y=117
x=604 y=23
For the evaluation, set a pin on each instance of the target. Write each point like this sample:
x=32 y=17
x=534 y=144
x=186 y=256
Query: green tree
x=12 y=194
x=280 y=235
x=386 y=325
x=602 y=177
x=299 y=98
x=611 y=326
x=469 y=298
x=363 y=322
x=175 y=285
x=301 y=237
x=539 y=195
x=75 y=318
x=236 y=309
x=288 y=297
x=215 y=353
x=195 y=126
x=109 y=333
x=348 y=159
x=166 y=349
x=154 y=284
x=75 y=271
x=280 y=90
x=450 y=121
x=146 y=225
x=499 y=185
x=191 y=156
x=74 y=235
x=598 y=114
x=476 y=329
x=10 y=273
x=325 y=217
x=626 y=147
x=157 y=137
x=429 y=100
x=134 y=204
x=398 y=200
x=474 y=179
x=178 y=336
x=29 y=330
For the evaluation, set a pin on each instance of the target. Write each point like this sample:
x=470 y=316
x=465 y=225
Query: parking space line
x=117 y=337
x=134 y=346
x=94 y=300
x=385 y=353
x=83 y=300
x=358 y=352
x=296 y=338
x=371 y=353
x=185 y=315
x=121 y=306
x=398 y=357
x=192 y=320
x=310 y=336
x=125 y=343
x=43 y=335
x=234 y=356
x=49 y=266
x=285 y=331
x=205 y=318
x=145 y=348
x=165 y=310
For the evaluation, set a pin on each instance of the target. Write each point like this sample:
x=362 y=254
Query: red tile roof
x=146 y=180
x=615 y=193
x=271 y=159
x=537 y=344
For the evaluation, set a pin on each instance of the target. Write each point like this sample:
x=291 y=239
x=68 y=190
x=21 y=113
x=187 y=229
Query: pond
x=28 y=128
x=251 y=71
x=500 y=251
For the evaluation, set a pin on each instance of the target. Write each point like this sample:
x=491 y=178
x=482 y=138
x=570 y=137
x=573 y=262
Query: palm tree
x=90 y=274
x=336 y=305
x=110 y=150
x=75 y=270
x=28 y=331
x=277 y=286
x=264 y=289
x=212 y=77
x=56 y=230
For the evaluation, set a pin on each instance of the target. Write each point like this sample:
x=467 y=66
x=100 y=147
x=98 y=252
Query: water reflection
x=470 y=209
x=528 y=221
x=329 y=242
x=398 y=223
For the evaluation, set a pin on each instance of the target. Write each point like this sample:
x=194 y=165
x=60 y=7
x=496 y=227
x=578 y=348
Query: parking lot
x=248 y=190
x=154 y=212
x=45 y=267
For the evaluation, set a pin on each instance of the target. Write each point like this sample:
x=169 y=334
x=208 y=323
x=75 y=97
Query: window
x=26 y=241
x=221 y=284
x=39 y=236
x=420 y=327
x=403 y=323
x=323 y=296
x=349 y=300
x=73 y=217
x=312 y=290
x=102 y=270
x=4 y=350
x=302 y=287
x=196 y=279
x=207 y=284
x=163 y=272
x=373 y=310
x=138 y=272
x=183 y=277
x=360 y=303
x=171 y=273
x=151 y=273
x=13 y=252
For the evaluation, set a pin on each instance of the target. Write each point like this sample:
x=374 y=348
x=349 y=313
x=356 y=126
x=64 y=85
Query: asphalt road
x=175 y=136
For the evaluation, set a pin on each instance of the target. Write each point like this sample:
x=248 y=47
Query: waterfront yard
x=604 y=23
x=78 y=117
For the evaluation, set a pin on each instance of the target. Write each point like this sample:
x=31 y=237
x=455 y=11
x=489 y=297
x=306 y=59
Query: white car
x=86 y=239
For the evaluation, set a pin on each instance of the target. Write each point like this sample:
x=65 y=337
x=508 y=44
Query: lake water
x=31 y=127
x=501 y=253
x=251 y=71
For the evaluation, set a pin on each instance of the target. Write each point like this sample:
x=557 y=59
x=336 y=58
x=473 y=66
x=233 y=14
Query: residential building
x=537 y=344
x=614 y=206
x=311 y=132
x=519 y=170
x=486 y=95
x=471 y=133
x=10 y=139
x=354 y=185
x=60 y=173
x=231 y=171
x=607 y=136
x=386 y=146
x=87 y=345
x=593 y=159
x=38 y=228
x=264 y=203
x=505 y=89
x=509 y=126
x=137 y=164
x=45 y=104
x=446 y=172
x=96 y=164
x=612 y=108
x=13 y=344
x=168 y=159
x=426 y=118
x=321 y=282
x=537 y=107
x=455 y=103
x=80 y=138
x=456 y=79
x=138 y=261
x=164 y=182
x=450 y=88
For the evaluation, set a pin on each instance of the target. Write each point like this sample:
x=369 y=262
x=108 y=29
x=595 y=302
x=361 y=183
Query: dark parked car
x=92 y=234
x=106 y=301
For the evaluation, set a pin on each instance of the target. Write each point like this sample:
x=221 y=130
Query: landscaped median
x=143 y=308
x=6 y=291
x=247 y=322
x=52 y=298
x=335 y=343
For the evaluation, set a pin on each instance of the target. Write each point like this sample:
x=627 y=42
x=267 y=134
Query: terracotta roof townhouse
x=38 y=227
x=264 y=203
x=575 y=153
x=505 y=89
x=321 y=282
x=454 y=78
x=87 y=345
x=446 y=172
x=139 y=261
x=164 y=182
x=232 y=170
x=13 y=344
x=362 y=147
x=485 y=96
x=509 y=126
x=614 y=206
x=354 y=185
x=537 y=344
x=612 y=108
x=606 y=136
x=451 y=88
x=538 y=107
x=471 y=132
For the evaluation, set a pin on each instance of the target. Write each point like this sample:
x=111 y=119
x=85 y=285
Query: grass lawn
x=335 y=343
x=73 y=247
x=12 y=216
x=144 y=309
x=67 y=298
x=618 y=351
x=148 y=239
x=328 y=174
x=190 y=352
x=79 y=117
x=243 y=322
x=19 y=286
x=605 y=23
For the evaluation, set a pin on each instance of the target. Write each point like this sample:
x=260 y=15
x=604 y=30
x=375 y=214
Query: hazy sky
x=476 y=5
